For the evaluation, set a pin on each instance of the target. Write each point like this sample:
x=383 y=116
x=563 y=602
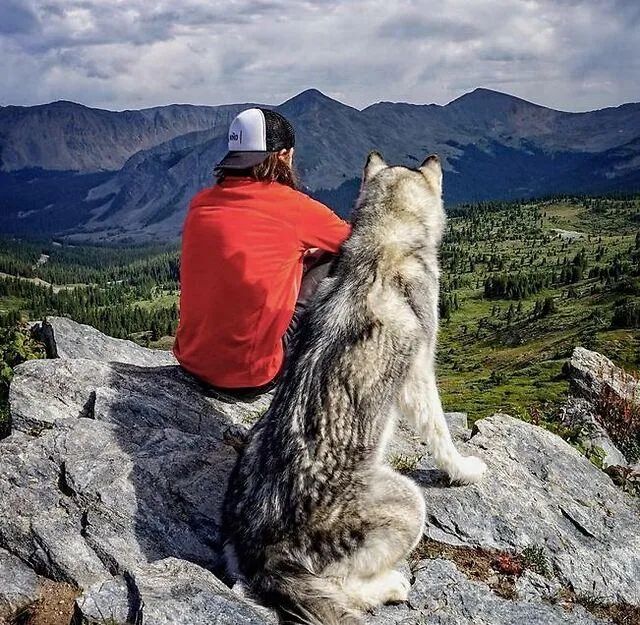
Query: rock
x=167 y=592
x=46 y=391
x=534 y=587
x=19 y=584
x=597 y=387
x=590 y=373
x=89 y=498
x=579 y=415
x=539 y=491
x=457 y=420
x=442 y=595
x=64 y=338
x=108 y=600
x=114 y=472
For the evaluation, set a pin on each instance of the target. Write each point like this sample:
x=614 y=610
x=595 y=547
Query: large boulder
x=591 y=374
x=541 y=493
x=601 y=396
x=64 y=338
x=114 y=472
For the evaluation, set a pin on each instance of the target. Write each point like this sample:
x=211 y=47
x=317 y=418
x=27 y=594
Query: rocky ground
x=112 y=478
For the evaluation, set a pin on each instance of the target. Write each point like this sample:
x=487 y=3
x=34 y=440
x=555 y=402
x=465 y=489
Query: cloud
x=418 y=27
x=569 y=54
x=16 y=18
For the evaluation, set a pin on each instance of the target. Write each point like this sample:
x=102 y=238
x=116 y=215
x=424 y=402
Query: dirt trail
x=40 y=282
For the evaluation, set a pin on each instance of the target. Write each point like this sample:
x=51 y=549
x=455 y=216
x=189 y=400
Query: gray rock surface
x=580 y=415
x=539 y=491
x=167 y=592
x=19 y=584
x=442 y=595
x=88 y=496
x=47 y=391
x=114 y=473
x=111 y=599
x=593 y=376
x=64 y=338
x=590 y=373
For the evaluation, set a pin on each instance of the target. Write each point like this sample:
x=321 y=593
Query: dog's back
x=297 y=499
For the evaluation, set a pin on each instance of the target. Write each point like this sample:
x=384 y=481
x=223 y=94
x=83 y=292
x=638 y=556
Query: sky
x=118 y=54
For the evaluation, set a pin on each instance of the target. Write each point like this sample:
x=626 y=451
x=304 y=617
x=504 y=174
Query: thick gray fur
x=315 y=521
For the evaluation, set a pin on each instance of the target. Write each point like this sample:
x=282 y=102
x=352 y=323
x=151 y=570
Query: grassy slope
x=517 y=366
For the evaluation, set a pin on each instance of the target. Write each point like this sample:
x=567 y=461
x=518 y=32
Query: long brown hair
x=272 y=169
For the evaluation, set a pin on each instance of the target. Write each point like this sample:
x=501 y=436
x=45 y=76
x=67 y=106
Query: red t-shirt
x=240 y=273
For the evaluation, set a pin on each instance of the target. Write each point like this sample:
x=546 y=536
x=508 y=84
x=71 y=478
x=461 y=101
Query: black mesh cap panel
x=280 y=133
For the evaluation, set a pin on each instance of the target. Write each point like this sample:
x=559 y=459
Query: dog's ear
x=375 y=163
x=432 y=170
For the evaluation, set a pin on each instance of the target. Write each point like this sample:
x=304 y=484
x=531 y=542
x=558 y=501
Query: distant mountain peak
x=310 y=99
x=311 y=95
x=491 y=97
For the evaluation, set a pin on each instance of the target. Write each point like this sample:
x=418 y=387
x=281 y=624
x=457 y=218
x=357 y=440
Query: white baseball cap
x=253 y=135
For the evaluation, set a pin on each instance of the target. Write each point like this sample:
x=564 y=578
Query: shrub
x=534 y=558
x=626 y=315
x=16 y=346
x=620 y=416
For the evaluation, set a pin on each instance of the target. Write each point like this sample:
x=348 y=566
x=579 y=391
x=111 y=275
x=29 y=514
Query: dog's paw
x=397 y=587
x=468 y=470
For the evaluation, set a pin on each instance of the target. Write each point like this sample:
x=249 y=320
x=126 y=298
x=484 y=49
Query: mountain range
x=71 y=171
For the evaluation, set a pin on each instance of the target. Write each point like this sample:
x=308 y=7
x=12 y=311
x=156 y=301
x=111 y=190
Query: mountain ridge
x=314 y=90
x=493 y=146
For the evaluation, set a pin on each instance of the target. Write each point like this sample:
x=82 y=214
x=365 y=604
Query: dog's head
x=413 y=196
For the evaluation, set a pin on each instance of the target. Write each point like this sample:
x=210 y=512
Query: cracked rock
x=19 y=584
x=596 y=387
x=167 y=592
x=539 y=491
x=590 y=373
x=580 y=414
x=113 y=477
x=442 y=595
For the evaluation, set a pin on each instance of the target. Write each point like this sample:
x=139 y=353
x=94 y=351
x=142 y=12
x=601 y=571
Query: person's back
x=241 y=268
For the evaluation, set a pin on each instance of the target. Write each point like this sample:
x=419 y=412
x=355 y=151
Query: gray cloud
x=16 y=18
x=569 y=54
x=417 y=27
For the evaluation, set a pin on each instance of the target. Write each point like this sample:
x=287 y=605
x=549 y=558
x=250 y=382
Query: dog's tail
x=302 y=597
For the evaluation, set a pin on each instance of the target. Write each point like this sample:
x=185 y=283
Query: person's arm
x=319 y=226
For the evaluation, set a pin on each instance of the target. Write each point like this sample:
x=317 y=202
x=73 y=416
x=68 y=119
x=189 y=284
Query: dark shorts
x=316 y=267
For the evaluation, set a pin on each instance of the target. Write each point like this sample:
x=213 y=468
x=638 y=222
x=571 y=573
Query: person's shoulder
x=300 y=197
x=204 y=196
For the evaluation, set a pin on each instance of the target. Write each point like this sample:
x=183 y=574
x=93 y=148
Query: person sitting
x=254 y=249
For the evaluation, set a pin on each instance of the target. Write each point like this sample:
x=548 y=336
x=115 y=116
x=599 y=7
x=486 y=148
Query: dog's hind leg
x=366 y=593
x=392 y=515
x=420 y=403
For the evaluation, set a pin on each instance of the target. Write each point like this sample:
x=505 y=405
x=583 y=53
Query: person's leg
x=316 y=268
x=234 y=395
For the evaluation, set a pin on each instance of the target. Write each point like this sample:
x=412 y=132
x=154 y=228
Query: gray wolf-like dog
x=314 y=520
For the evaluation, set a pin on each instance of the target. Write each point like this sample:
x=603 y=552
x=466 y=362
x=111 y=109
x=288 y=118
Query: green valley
x=522 y=284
